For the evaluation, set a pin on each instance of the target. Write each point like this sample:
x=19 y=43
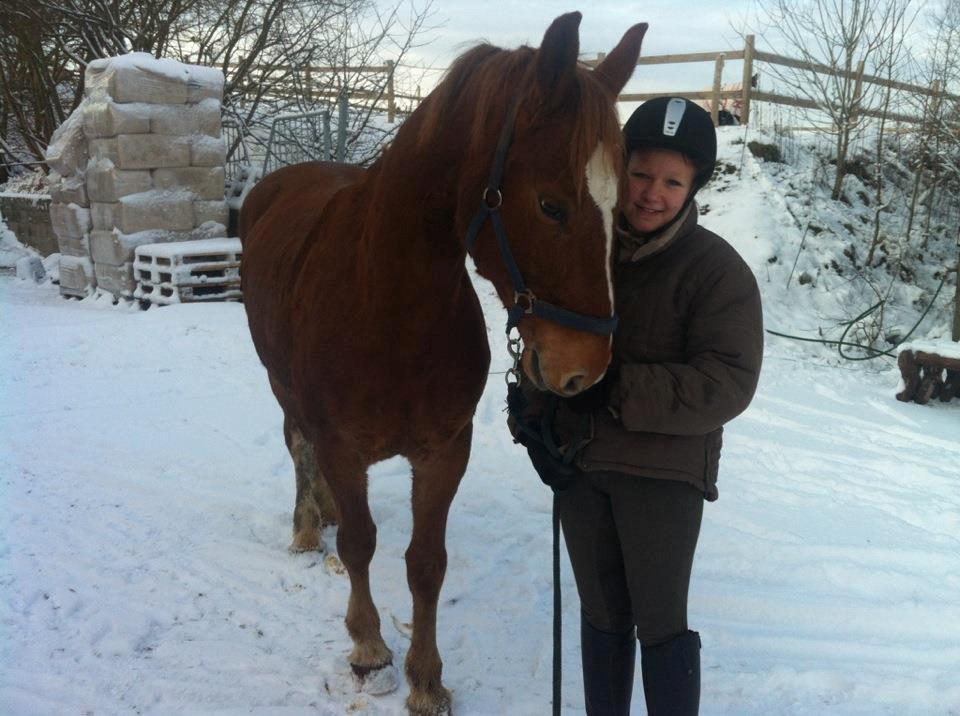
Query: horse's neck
x=408 y=241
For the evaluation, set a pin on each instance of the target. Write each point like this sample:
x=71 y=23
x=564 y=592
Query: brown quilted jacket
x=688 y=352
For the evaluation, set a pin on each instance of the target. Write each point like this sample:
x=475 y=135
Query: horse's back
x=280 y=220
x=304 y=189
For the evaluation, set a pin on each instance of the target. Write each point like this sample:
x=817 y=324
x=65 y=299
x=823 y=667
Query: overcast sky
x=675 y=27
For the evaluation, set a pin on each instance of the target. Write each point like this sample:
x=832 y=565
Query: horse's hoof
x=333 y=565
x=430 y=703
x=307 y=541
x=375 y=680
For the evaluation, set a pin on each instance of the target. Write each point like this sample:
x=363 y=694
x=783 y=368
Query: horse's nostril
x=574 y=385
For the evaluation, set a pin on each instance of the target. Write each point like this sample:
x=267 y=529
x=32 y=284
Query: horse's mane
x=488 y=77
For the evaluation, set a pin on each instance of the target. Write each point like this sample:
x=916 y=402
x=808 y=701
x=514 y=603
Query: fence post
x=717 y=78
x=391 y=98
x=342 y=120
x=956 y=298
x=745 y=91
x=857 y=94
x=327 y=137
x=937 y=100
x=308 y=82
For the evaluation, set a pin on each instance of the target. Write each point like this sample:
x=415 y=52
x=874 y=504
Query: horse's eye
x=553 y=211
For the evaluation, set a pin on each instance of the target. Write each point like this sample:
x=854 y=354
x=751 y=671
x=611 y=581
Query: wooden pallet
x=929 y=371
x=188 y=271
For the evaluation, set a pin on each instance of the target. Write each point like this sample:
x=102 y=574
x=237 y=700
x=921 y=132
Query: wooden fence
x=304 y=84
x=746 y=94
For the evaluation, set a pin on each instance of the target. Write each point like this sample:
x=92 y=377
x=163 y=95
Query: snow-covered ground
x=146 y=497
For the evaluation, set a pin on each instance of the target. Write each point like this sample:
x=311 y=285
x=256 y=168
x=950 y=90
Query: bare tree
x=944 y=69
x=846 y=35
x=264 y=47
x=891 y=57
x=938 y=148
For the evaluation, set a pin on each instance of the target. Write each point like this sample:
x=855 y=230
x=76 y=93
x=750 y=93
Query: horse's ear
x=618 y=66
x=557 y=57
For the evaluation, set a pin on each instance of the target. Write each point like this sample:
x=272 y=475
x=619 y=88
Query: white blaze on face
x=602 y=184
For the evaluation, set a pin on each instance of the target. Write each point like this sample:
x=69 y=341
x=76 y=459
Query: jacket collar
x=634 y=247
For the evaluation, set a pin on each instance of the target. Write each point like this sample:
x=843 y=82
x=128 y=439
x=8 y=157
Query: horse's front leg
x=371 y=659
x=435 y=482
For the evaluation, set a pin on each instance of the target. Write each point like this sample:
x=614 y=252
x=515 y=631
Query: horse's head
x=559 y=188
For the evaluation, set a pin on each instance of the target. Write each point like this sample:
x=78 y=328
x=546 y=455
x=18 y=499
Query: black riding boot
x=608 y=662
x=671 y=676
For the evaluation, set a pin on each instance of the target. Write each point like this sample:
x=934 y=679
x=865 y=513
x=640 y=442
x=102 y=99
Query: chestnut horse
x=362 y=310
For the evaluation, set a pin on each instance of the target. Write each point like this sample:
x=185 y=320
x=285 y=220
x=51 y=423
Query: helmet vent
x=671 y=118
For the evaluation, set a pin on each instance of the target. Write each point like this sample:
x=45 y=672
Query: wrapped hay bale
x=107 y=184
x=142 y=161
x=204 y=183
x=76 y=276
x=116 y=248
x=117 y=280
x=69 y=190
x=138 y=77
x=67 y=152
x=67 y=155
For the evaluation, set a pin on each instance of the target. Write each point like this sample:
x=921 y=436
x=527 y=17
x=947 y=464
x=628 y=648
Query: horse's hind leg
x=435 y=482
x=314 y=507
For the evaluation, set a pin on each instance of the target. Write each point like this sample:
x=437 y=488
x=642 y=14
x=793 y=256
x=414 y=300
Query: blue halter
x=525 y=302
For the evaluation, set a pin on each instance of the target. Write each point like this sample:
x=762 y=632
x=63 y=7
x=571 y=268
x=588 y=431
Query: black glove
x=554 y=473
x=596 y=397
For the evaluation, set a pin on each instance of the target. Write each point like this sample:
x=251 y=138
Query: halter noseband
x=525 y=302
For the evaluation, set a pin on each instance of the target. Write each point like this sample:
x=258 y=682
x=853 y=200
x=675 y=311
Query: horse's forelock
x=596 y=126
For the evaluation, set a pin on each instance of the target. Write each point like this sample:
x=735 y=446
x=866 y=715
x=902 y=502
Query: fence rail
x=747 y=94
x=384 y=94
x=301 y=82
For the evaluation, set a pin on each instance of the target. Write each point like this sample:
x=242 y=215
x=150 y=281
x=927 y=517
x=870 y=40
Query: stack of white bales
x=69 y=207
x=155 y=172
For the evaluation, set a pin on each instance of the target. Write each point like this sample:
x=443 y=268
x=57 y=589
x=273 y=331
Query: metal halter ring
x=515 y=349
x=486 y=199
x=524 y=299
x=514 y=345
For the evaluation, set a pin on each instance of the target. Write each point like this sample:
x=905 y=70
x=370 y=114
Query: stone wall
x=28 y=216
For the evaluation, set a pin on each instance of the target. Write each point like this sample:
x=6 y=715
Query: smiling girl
x=686 y=359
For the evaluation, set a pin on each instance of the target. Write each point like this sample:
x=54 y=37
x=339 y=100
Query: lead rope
x=515 y=348
x=557 y=615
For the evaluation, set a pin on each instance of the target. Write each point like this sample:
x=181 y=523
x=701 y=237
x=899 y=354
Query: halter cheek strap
x=525 y=302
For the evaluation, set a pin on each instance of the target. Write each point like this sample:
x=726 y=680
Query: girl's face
x=658 y=184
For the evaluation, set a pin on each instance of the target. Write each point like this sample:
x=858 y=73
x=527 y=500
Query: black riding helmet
x=678 y=124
